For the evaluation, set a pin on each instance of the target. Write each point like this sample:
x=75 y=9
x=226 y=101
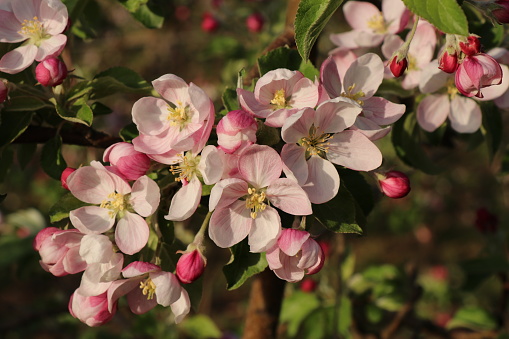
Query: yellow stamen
x=116 y=203
x=354 y=96
x=452 y=90
x=148 y=288
x=377 y=24
x=316 y=143
x=412 y=63
x=187 y=168
x=255 y=201
x=279 y=101
x=178 y=115
x=34 y=30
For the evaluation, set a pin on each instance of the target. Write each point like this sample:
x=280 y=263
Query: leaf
x=100 y=109
x=129 y=132
x=360 y=189
x=492 y=127
x=13 y=250
x=296 y=308
x=12 y=125
x=52 y=161
x=243 y=265
x=61 y=209
x=446 y=15
x=320 y=323
x=309 y=70
x=149 y=17
x=342 y=214
x=266 y=135
x=473 y=318
x=80 y=89
x=79 y=112
x=24 y=104
x=119 y=79
x=5 y=162
x=25 y=153
x=312 y=16
x=281 y=57
x=230 y=100
x=200 y=327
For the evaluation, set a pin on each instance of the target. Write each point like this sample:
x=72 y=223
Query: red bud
x=255 y=22
x=398 y=68
x=448 y=62
x=65 y=174
x=308 y=285
x=472 y=46
x=209 y=23
x=502 y=13
x=190 y=266
x=51 y=72
x=394 y=184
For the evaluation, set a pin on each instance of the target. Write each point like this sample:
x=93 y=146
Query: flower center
x=187 y=168
x=255 y=201
x=34 y=30
x=452 y=90
x=148 y=288
x=377 y=24
x=116 y=203
x=178 y=115
x=350 y=94
x=412 y=63
x=279 y=101
x=316 y=143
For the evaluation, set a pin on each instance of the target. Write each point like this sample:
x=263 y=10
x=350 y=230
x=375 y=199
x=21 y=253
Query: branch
x=76 y=135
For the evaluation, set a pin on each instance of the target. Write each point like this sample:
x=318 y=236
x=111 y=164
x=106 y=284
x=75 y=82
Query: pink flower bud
x=51 y=72
x=4 y=91
x=502 y=13
x=485 y=221
x=476 y=72
x=398 y=67
x=236 y=129
x=448 y=62
x=255 y=22
x=308 y=285
x=93 y=311
x=394 y=184
x=209 y=23
x=126 y=161
x=65 y=174
x=472 y=46
x=190 y=266
x=182 y=13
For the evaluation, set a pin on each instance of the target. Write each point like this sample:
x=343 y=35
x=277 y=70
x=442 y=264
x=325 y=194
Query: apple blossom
x=394 y=184
x=470 y=47
x=448 y=62
x=128 y=162
x=40 y=24
x=51 y=72
x=242 y=206
x=476 y=72
x=235 y=130
x=92 y=310
x=190 y=266
x=65 y=175
x=209 y=23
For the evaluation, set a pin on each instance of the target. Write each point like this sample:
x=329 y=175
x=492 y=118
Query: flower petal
x=226 y=192
x=294 y=156
x=354 y=150
x=433 y=111
x=131 y=233
x=265 y=230
x=145 y=196
x=229 y=225
x=466 y=116
x=260 y=165
x=185 y=202
x=167 y=287
x=288 y=196
x=18 y=59
x=181 y=307
x=323 y=180
x=92 y=219
x=365 y=75
x=290 y=241
x=150 y=115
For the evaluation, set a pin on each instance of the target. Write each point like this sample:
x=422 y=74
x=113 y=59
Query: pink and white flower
x=128 y=162
x=91 y=310
x=476 y=72
x=242 y=205
x=235 y=130
x=96 y=185
x=278 y=94
x=317 y=139
x=181 y=121
x=190 y=266
x=40 y=24
x=370 y=26
x=294 y=255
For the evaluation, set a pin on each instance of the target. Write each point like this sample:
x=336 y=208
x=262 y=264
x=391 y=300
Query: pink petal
x=137 y=268
x=25 y=9
x=131 y=233
x=294 y=156
x=358 y=14
x=273 y=258
x=323 y=180
x=370 y=129
x=265 y=230
x=433 y=78
x=382 y=111
x=156 y=144
x=151 y=115
x=336 y=115
x=211 y=165
x=185 y=202
x=288 y=196
x=249 y=103
x=95 y=248
x=139 y=303
x=51 y=47
x=145 y=196
x=331 y=79
x=396 y=15
x=168 y=289
x=496 y=91
x=181 y=307
x=260 y=165
x=290 y=241
x=432 y=111
x=391 y=45
x=311 y=253
x=91 y=185
x=73 y=263
x=92 y=219
x=289 y=272
x=226 y=192
x=356 y=39
x=201 y=103
x=9 y=28
x=355 y=151
x=120 y=288
x=304 y=94
x=229 y=225
x=18 y=59
x=172 y=88
x=465 y=115
x=278 y=117
x=54 y=15
x=297 y=126
x=366 y=73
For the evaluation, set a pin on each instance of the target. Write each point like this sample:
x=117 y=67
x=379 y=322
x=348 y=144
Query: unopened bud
x=4 y=91
x=398 y=67
x=448 y=62
x=190 y=266
x=472 y=46
x=255 y=22
x=394 y=184
x=51 y=72
x=209 y=23
x=308 y=285
x=65 y=175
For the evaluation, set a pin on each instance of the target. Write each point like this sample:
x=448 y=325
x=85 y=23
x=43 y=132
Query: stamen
x=412 y=63
x=377 y=24
x=452 y=90
x=316 y=143
x=116 y=203
x=279 y=101
x=178 y=115
x=255 y=201
x=187 y=168
x=34 y=30
x=148 y=288
x=354 y=96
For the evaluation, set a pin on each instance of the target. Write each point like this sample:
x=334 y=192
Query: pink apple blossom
x=370 y=26
x=236 y=129
x=317 y=139
x=128 y=162
x=65 y=175
x=394 y=184
x=279 y=94
x=96 y=185
x=294 y=255
x=40 y=24
x=91 y=310
x=51 y=72
x=477 y=72
x=181 y=121
x=190 y=266
x=499 y=93
x=242 y=206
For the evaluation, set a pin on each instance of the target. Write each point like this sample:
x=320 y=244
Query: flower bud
x=398 y=67
x=501 y=14
x=448 y=62
x=126 y=161
x=190 y=266
x=235 y=130
x=4 y=91
x=65 y=174
x=51 y=72
x=394 y=184
x=472 y=46
x=308 y=285
x=485 y=221
x=255 y=22
x=209 y=23
x=476 y=72
x=93 y=311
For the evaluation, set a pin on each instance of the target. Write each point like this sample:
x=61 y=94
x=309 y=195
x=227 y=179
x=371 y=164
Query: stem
x=403 y=50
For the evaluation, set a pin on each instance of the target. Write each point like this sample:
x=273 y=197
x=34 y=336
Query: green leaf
x=24 y=104
x=79 y=112
x=296 y=308
x=6 y=159
x=129 y=132
x=243 y=265
x=360 y=189
x=473 y=318
x=118 y=79
x=446 y=15
x=266 y=135
x=100 y=109
x=149 y=17
x=25 y=153
x=406 y=142
x=281 y=57
x=13 y=250
x=320 y=323
x=492 y=126
x=312 y=16
x=309 y=70
x=52 y=161
x=79 y=90
x=200 y=327
x=342 y=214
x=61 y=209
x=230 y=100
x=12 y=124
